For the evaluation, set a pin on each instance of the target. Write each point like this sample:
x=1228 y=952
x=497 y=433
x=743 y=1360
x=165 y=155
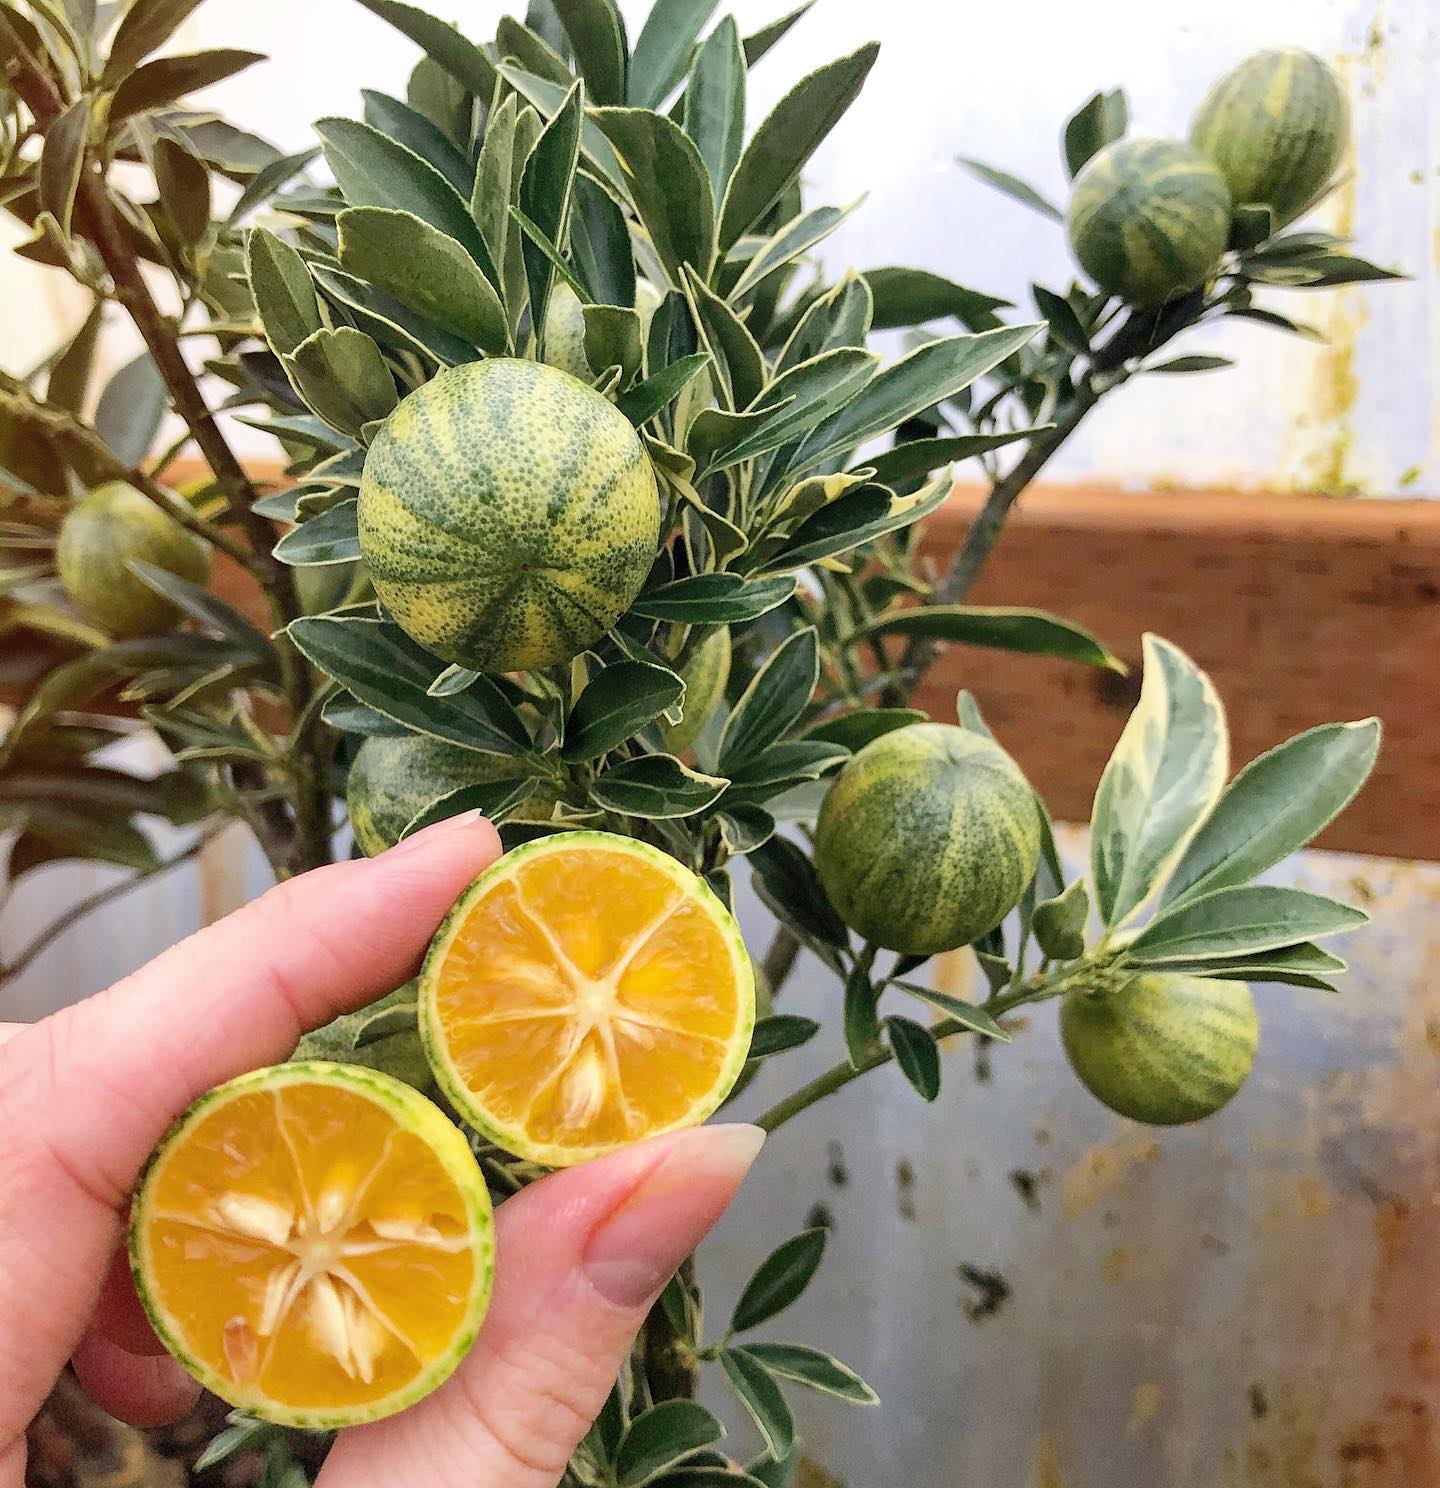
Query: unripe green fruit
x=1276 y=126
x=101 y=535
x=1148 y=219
x=394 y=777
x=927 y=839
x=705 y=674
x=1163 y=1048
x=508 y=515
x=565 y=326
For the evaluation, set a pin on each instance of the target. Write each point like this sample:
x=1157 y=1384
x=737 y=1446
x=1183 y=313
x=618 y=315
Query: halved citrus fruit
x=314 y=1243
x=585 y=992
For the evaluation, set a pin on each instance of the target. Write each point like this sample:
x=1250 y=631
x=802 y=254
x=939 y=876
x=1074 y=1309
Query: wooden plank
x=1303 y=610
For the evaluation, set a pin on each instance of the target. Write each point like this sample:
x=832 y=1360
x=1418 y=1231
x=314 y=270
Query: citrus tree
x=601 y=510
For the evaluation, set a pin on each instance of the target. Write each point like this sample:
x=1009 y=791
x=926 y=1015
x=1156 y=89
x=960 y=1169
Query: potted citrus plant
x=599 y=514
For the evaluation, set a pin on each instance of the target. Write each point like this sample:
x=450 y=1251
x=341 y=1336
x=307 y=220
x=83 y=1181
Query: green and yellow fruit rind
x=927 y=839
x=1163 y=1048
x=101 y=535
x=704 y=674
x=394 y=777
x=1148 y=218
x=508 y=515
x=448 y=1144
x=1276 y=127
x=511 y=1138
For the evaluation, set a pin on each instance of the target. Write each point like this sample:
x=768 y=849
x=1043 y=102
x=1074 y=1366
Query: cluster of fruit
x=1150 y=218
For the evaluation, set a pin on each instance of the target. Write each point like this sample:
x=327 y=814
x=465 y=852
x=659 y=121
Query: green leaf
x=1099 y=121
x=131 y=406
x=779 y=148
x=662 y=1436
x=859 y=517
x=964 y=1013
x=664 y=47
x=267 y=181
x=424 y=269
x=800 y=398
x=1241 y=921
x=758 y=44
x=168 y=78
x=494 y=799
x=343 y=377
x=1011 y=186
x=546 y=191
x=1058 y=924
x=739 y=362
x=1191 y=364
x=69 y=378
x=666 y=179
x=785 y=879
x=612 y=339
x=853 y=731
x=87 y=831
x=1302 y=964
x=409 y=127
x=656 y=786
x=283 y=292
x=1065 y=329
x=776 y=697
x=1164 y=777
x=916 y=457
x=547 y=98
x=597 y=34
x=715 y=103
x=862 y=1029
x=796 y=237
x=600 y=244
x=245 y=1434
x=779 y=1032
x=183 y=183
x=1275 y=805
x=917 y=1055
x=145 y=26
x=385 y=669
x=933 y=372
x=615 y=704
x=210 y=611
x=910 y=297
x=648 y=398
x=714 y=599
x=462 y=59
x=779 y=1279
x=1326 y=271
x=761 y=1397
x=818 y=1371
x=61 y=159
x=788 y=763
x=373 y=171
x=332 y=537
x=392 y=325
x=531 y=51
x=350 y=716
x=998 y=629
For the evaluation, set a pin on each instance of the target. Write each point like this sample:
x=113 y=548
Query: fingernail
x=639 y=1246
x=429 y=835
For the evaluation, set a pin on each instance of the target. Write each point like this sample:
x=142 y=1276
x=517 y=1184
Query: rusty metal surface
x=1049 y=1296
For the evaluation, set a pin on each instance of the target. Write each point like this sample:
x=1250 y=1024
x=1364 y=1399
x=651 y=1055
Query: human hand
x=86 y=1094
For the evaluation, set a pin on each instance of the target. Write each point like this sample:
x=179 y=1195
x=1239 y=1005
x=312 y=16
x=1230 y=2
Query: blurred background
x=1045 y=1295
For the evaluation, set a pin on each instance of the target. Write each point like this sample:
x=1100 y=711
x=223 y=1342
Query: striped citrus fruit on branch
x=508 y=515
x=927 y=839
x=314 y=1243
x=586 y=991
x=1163 y=1048
x=1276 y=126
x=1148 y=219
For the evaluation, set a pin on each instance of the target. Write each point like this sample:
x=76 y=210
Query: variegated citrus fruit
x=314 y=1243
x=586 y=991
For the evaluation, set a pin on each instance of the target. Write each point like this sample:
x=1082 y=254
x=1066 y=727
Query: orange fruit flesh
x=587 y=1000
x=307 y=1248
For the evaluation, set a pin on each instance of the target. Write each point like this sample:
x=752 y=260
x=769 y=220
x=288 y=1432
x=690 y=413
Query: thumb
x=581 y=1256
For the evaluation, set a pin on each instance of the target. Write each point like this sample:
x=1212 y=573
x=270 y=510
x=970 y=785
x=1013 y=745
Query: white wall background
x=1358 y=415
